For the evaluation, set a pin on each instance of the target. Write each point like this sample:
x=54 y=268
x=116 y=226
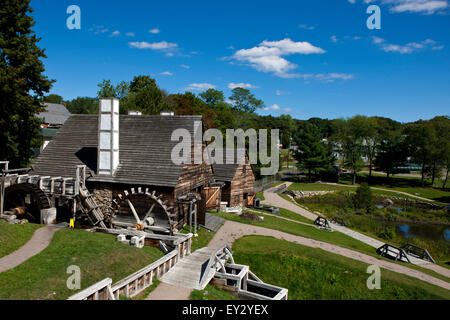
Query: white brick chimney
x=108 y=137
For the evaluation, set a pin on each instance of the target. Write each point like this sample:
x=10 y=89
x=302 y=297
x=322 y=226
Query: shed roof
x=226 y=172
x=145 y=149
x=55 y=114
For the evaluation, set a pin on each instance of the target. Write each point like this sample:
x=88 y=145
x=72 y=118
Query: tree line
x=375 y=142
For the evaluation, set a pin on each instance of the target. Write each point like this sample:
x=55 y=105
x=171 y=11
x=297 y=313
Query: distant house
x=52 y=118
x=239 y=180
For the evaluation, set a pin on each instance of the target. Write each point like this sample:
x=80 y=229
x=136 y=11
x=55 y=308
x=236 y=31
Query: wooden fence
x=138 y=281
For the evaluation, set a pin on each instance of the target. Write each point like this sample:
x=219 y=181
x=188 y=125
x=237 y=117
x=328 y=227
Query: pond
x=423 y=231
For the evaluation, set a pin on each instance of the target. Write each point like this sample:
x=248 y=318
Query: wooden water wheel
x=143 y=209
x=29 y=198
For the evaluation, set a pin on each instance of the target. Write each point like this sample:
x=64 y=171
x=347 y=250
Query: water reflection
x=423 y=231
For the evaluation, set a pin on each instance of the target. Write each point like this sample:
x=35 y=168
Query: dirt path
x=166 y=291
x=233 y=230
x=274 y=199
x=38 y=242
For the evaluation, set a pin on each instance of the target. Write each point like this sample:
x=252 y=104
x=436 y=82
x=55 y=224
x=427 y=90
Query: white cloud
x=267 y=56
x=377 y=40
x=155 y=31
x=274 y=107
x=233 y=85
x=281 y=93
x=277 y=109
x=412 y=6
x=130 y=34
x=417 y=6
x=163 y=45
x=306 y=27
x=406 y=48
x=115 y=33
x=199 y=87
x=98 y=29
x=166 y=73
x=438 y=47
x=185 y=66
x=334 y=39
x=330 y=77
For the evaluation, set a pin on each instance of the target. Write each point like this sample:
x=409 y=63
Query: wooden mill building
x=127 y=158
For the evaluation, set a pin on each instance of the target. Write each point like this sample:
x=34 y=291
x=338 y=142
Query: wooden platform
x=188 y=271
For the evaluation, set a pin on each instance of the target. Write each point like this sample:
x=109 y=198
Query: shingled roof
x=226 y=172
x=55 y=114
x=145 y=149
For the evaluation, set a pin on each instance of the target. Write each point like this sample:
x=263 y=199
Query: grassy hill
x=13 y=236
x=98 y=255
x=314 y=274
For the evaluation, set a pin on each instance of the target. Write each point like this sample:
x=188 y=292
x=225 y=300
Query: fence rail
x=138 y=281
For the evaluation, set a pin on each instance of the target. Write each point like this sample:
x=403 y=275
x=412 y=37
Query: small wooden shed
x=239 y=182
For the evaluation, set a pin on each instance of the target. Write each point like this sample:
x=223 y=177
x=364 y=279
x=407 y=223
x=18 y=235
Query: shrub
x=387 y=234
x=363 y=198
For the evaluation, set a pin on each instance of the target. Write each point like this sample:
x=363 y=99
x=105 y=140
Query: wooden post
x=2 y=195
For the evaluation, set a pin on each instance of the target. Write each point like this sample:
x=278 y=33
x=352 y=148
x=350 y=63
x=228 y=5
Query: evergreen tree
x=313 y=154
x=22 y=83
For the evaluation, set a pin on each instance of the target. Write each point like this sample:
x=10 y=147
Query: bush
x=363 y=198
x=387 y=234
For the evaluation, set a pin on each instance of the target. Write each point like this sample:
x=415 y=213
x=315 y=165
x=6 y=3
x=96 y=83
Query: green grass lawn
x=411 y=185
x=99 y=256
x=204 y=237
x=311 y=274
x=290 y=215
x=312 y=232
x=302 y=230
x=211 y=293
x=13 y=236
x=345 y=187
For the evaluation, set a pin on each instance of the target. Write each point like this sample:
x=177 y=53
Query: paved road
x=38 y=242
x=233 y=230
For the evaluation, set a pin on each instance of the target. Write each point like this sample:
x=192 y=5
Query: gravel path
x=233 y=230
x=38 y=242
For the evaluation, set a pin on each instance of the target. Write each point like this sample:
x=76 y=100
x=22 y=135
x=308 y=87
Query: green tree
x=420 y=136
x=22 y=83
x=351 y=140
x=106 y=90
x=83 y=105
x=212 y=97
x=54 y=98
x=145 y=96
x=313 y=154
x=244 y=100
x=392 y=152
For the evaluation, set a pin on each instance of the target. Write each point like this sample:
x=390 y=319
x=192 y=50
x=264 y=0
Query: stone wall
x=103 y=193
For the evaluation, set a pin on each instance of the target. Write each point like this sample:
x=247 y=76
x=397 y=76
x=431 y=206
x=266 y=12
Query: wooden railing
x=142 y=279
x=419 y=252
x=99 y=291
x=138 y=281
x=393 y=252
x=218 y=257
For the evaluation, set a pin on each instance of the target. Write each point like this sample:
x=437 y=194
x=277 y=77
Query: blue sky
x=309 y=58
